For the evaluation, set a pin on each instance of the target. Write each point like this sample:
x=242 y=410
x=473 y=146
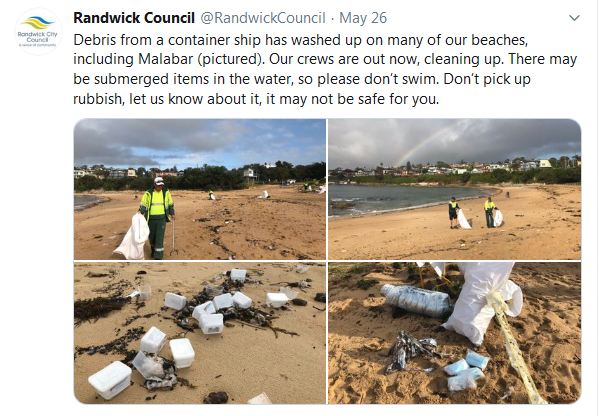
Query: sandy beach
x=540 y=223
x=291 y=225
x=362 y=330
x=242 y=361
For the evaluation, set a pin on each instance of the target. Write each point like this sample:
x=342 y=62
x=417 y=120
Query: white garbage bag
x=132 y=246
x=472 y=314
x=498 y=218
x=264 y=195
x=462 y=220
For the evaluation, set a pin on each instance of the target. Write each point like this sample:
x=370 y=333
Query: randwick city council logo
x=38 y=31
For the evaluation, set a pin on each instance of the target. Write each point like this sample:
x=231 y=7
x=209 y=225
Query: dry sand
x=291 y=225
x=242 y=361
x=361 y=331
x=540 y=223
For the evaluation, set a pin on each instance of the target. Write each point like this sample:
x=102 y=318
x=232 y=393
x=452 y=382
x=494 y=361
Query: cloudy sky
x=357 y=143
x=187 y=143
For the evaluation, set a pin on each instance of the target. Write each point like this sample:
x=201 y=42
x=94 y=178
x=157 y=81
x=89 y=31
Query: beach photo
x=199 y=189
x=462 y=189
x=200 y=332
x=454 y=332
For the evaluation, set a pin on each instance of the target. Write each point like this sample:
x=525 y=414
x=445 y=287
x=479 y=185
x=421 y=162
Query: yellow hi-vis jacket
x=157 y=203
x=489 y=205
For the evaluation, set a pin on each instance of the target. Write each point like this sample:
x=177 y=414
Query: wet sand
x=540 y=223
x=361 y=331
x=242 y=361
x=291 y=225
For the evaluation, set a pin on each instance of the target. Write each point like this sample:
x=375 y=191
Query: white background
x=37 y=148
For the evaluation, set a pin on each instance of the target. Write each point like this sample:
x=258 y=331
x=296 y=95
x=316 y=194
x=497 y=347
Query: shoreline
x=541 y=222
x=416 y=207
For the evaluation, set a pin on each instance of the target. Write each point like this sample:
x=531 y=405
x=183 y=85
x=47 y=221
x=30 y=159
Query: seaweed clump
x=88 y=309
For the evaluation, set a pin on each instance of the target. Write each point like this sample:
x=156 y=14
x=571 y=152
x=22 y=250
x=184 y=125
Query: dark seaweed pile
x=88 y=309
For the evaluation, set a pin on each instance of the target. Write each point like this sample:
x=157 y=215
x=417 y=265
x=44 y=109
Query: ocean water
x=372 y=199
x=82 y=201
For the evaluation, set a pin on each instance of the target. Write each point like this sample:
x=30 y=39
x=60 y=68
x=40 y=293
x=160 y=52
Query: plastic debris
x=476 y=360
x=455 y=368
x=408 y=347
x=415 y=300
x=466 y=379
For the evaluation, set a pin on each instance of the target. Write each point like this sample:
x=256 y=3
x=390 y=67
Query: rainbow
x=453 y=129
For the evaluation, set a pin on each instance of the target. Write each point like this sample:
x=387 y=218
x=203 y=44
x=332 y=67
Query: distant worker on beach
x=489 y=212
x=157 y=205
x=211 y=195
x=452 y=211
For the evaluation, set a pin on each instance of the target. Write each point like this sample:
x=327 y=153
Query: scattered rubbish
x=145 y=291
x=238 y=275
x=205 y=309
x=321 y=297
x=111 y=380
x=260 y=399
x=223 y=301
x=299 y=302
x=182 y=352
x=211 y=324
x=158 y=371
x=508 y=393
x=153 y=341
x=408 y=347
x=241 y=301
x=214 y=290
x=457 y=367
x=219 y=397
x=476 y=360
x=174 y=301
x=291 y=294
x=276 y=300
x=302 y=268
x=466 y=379
x=415 y=300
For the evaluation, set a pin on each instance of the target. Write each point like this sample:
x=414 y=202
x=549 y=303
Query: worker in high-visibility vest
x=453 y=212
x=489 y=212
x=157 y=205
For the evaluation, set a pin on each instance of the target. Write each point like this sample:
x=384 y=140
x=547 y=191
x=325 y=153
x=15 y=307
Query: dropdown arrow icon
x=574 y=18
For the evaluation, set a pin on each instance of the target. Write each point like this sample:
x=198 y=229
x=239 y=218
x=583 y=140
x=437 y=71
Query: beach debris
x=321 y=297
x=111 y=380
x=466 y=379
x=118 y=345
x=159 y=372
x=299 y=302
x=455 y=368
x=476 y=360
x=260 y=399
x=88 y=309
x=408 y=347
x=182 y=352
x=219 y=397
x=291 y=294
x=90 y=274
x=302 y=268
x=415 y=300
x=508 y=393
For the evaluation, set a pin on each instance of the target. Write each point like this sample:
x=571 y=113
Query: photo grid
x=339 y=261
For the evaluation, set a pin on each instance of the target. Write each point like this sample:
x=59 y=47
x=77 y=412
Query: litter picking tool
x=495 y=300
x=173 y=245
